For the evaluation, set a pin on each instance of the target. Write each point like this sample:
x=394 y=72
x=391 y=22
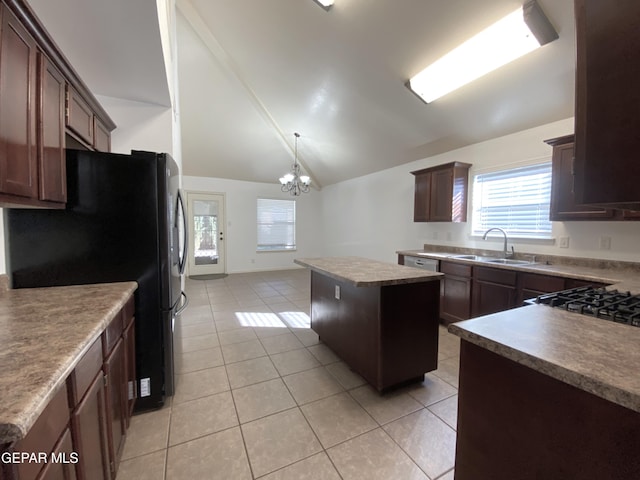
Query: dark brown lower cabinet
x=517 y=423
x=455 y=292
x=89 y=428
x=64 y=468
x=530 y=285
x=114 y=370
x=494 y=290
x=129 y=339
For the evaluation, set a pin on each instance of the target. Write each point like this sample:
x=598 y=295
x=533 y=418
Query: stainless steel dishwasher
x=423 y=263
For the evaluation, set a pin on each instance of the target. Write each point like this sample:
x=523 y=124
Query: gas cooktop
x=620 y=307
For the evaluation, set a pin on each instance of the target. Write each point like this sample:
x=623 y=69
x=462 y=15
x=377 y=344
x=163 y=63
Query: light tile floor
x=258 y=396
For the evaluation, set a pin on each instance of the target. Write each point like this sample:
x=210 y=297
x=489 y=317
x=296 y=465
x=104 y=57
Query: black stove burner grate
x=620 y=307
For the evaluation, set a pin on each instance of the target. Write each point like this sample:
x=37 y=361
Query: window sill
x=517 y=240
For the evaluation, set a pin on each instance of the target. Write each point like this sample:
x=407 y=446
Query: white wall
x=372 y=215
x=140 y=126
x=241 y=231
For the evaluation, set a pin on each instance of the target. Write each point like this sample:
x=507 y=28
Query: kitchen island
x=547 y=393
x=380 y=318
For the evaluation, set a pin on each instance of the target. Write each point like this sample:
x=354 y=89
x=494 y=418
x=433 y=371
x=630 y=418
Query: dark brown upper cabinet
x=18 y=145
x=563 y=203
x=35 y=116
x=441 y=193
x=51 y=130
x=607 y=143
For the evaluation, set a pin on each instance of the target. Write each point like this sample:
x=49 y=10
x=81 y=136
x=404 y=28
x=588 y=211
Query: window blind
x=516 y=200
x=276 y=224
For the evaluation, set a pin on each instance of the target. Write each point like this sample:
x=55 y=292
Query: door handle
x=185 y=247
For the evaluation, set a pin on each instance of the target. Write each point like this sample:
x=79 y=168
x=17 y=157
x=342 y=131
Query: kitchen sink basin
x=466 y=257
x=508 y=261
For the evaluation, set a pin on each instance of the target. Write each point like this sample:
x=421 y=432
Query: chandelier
x=293 y=182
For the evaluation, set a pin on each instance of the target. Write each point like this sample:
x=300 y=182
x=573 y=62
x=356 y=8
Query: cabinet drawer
x=44 y=434
x=128 y=311
x=79 y=116
x=86 y=370
x=542 y=283
x=455 y=269
x=495 y=275
x=112 y=333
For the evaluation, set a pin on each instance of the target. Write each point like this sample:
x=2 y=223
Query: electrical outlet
x=605 y=243
x=563 y=242
x=448 y=236
x=434 y=235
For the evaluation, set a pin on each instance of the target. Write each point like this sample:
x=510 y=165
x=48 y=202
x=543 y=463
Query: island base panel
x=387 y=334
x=515 y=422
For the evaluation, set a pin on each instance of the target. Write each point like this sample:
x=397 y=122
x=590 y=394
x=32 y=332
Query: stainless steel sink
x=466 y=257
x=507 y=261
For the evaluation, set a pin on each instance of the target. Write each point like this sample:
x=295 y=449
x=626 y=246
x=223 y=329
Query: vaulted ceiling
x=252 y=72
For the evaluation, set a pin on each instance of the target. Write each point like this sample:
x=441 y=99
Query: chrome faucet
x=506 y=252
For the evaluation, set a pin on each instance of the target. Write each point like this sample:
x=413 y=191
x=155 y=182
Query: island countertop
x=598 y=356
x=364 y=272
x=43 y=334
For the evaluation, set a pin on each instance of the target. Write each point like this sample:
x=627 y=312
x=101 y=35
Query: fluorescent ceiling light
x=506 y=40
x=326 y=4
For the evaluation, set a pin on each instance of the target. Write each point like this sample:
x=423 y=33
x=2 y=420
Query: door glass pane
x=205 y=223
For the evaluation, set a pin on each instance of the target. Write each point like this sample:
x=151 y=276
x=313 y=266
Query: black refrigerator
x=124 y=220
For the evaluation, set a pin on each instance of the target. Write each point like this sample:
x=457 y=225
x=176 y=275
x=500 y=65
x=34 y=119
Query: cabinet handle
x=105 y=379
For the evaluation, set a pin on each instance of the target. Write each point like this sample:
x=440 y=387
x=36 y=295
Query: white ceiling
x=253 y=72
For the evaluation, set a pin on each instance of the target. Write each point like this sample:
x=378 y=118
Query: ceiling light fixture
x=515 y=35
x=293 y=182
x=326 y=4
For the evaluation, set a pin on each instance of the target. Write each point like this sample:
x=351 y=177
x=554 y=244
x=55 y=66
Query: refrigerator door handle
x=185 y=247
x=184 y=304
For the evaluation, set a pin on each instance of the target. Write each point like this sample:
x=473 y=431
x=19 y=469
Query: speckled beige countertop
x=595 y=355
x=43 y=334
x=624 y=276
x=364 y=272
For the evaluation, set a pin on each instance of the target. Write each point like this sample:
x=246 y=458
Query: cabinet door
x=455 y=292
x=607 y=99
x=18 y=153
x=129 y=338
x=531 y=285
x=422 y=198
x=563 y=203
x=66 y=458
x=494 y=290
x=114 y=369
x=53 y=181
x=441 y=195
x=101 y=136
x=89 y=430
x=79 y=116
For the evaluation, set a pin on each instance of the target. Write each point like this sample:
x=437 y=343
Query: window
x=516 y=200
x=276 y=224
